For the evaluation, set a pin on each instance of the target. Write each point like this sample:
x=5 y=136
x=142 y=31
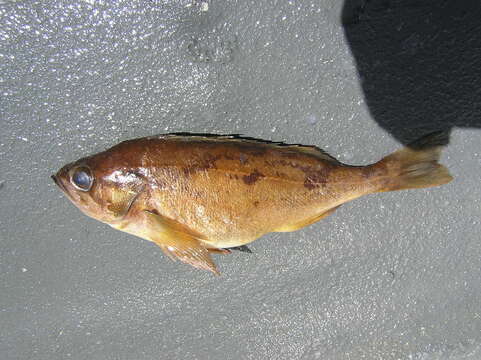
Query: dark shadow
x=419 y=62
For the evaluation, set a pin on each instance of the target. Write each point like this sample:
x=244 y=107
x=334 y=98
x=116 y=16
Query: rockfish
x=194 y=195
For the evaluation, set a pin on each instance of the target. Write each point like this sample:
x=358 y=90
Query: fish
x=198 y=195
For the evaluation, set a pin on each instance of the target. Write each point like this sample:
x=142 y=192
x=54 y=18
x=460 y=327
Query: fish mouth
x=62 y=187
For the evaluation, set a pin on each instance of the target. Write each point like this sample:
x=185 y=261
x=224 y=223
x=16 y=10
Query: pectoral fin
x=179 y=242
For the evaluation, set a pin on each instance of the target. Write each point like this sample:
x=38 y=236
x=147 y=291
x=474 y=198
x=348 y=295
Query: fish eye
x=82 y=179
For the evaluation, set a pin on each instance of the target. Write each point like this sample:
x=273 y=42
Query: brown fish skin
x=189 y=194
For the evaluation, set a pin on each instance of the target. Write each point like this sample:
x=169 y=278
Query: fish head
x=99 y=189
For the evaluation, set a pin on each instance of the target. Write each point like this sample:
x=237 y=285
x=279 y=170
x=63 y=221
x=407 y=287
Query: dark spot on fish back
x=316 y=177
x=243 y=159
x=251 y=149
x=309 y=184
x=368 y=172
x=252 y=177
x=315 y=174
x=202 y=164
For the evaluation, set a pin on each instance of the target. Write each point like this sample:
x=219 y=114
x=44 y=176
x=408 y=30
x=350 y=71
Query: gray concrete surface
x=389 y=276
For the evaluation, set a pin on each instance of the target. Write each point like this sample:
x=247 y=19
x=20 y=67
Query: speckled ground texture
x=388 y=276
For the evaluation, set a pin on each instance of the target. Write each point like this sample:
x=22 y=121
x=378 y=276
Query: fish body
x=194 y=195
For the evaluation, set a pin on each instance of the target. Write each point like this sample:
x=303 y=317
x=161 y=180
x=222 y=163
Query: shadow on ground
x=419 y=62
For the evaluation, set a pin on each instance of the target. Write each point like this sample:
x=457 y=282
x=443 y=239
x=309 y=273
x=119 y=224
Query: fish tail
x=416 y=166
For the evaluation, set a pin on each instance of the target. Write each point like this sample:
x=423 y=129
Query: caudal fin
x=416 y=166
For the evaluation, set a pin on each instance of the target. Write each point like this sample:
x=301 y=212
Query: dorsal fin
x=236 y=138
x=313 y=150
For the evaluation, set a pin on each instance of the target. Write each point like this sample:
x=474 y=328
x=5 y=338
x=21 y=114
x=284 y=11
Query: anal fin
x=304 y=223
x=219 y=251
